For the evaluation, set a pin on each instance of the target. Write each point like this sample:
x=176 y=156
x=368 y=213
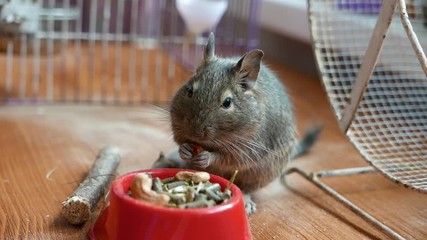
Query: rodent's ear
x=248 y=67
x=209 y=52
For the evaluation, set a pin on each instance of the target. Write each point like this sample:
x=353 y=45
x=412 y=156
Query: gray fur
x=255 y=136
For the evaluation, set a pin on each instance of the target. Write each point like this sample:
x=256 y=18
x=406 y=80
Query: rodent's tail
x=306 y=142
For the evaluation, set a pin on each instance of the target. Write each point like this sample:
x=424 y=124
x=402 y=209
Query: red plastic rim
x=148 y=221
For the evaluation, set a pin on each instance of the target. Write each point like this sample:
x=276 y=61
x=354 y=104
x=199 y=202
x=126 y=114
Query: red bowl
x=127 y=218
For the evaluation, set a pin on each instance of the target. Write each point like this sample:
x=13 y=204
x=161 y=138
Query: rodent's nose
x=201 y=132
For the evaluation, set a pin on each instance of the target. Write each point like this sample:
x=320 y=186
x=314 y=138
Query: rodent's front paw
x=202 y=160
x=191 y=156
x=186 y=152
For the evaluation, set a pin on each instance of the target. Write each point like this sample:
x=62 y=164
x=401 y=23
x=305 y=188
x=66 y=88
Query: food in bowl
x=184 y=190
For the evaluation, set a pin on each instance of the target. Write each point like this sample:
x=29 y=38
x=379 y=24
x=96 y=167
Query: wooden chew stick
x=78 y=207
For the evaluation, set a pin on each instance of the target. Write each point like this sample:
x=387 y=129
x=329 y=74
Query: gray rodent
x=239 y=113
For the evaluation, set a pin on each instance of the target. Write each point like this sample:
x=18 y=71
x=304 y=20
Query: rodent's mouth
x=201 y=144
x=205 y=144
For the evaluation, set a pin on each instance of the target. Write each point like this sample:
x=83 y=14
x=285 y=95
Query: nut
x=195 y=177
x=184 y=176
x=200 y=177
x=141 y=190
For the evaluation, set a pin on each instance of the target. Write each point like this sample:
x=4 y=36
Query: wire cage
x=372 y=64
x=110 y=51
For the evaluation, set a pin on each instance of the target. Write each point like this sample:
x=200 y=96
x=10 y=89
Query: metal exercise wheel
x=373 y=68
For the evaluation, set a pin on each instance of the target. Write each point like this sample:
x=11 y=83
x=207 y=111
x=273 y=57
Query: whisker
x=251 y=147
x=155 y=112
x=253 y=151
x=225 y=145
x=254 y=146
x=242 y=155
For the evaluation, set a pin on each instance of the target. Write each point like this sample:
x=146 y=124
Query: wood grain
x=46 y=150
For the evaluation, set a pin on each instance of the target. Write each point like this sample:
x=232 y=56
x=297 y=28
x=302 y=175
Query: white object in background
x=201 y=15
x=287 y=17
x=19 y=16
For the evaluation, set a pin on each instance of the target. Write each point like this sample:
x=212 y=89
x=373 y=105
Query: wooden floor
x=46 y=150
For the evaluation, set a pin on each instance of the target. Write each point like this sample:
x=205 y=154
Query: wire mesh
x=107 y=51
x=390 y=125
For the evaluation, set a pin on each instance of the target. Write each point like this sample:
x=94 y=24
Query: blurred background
x=121 y=52
x=70 y=58
x=114 y=51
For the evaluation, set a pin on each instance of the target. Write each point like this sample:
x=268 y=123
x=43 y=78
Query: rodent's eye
x=189 y=91
x=227 y=103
